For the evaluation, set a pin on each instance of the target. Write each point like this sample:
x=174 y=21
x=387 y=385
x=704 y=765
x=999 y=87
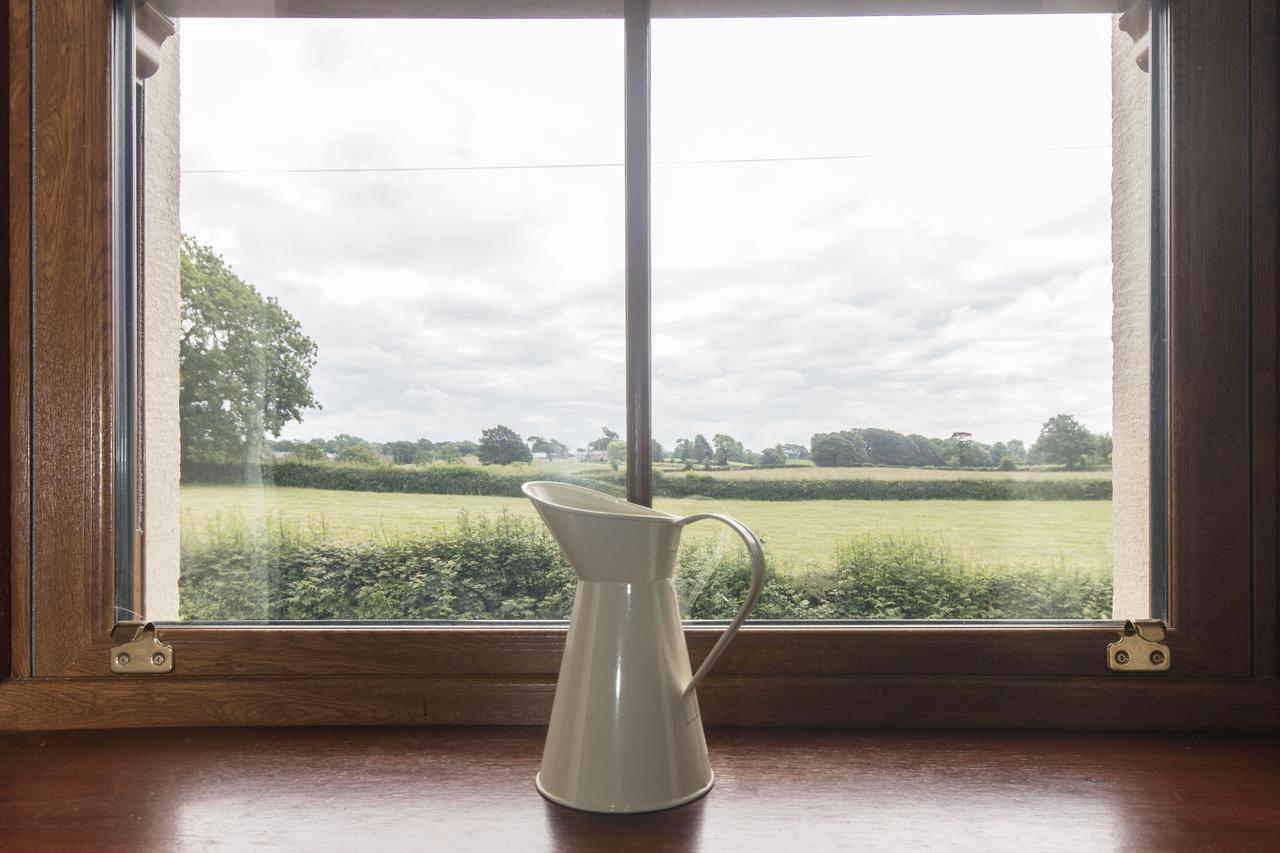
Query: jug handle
x=757 y=587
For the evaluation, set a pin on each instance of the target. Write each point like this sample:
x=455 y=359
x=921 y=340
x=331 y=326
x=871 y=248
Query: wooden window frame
x=1222 y=463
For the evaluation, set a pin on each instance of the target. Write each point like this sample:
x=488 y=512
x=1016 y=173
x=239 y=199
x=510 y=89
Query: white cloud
x=958 y=278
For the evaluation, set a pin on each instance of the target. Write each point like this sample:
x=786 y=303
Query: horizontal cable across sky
x=496 y=167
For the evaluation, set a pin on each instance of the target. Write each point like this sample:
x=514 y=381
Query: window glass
x=383 y=288
x=901 y=311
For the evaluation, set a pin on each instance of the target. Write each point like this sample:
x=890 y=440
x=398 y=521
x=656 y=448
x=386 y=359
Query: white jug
x=625 y=731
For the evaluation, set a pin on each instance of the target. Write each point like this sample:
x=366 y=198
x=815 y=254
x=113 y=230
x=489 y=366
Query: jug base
x=653 y=807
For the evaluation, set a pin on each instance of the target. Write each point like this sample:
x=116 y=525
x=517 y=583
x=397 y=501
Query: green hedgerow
x=472 y=480
x=509 y=568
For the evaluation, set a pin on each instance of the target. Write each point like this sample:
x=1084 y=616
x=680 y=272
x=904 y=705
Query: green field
x=811 y=472
x=801 y=535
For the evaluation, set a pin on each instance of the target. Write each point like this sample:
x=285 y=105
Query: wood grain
x=6 y=181
x=1209 y=323
x=777 y=676
x=904 y=702
x=1265 y=210
x=472 y=789
x=72 y=329
x=17 y=332
x=861 y=650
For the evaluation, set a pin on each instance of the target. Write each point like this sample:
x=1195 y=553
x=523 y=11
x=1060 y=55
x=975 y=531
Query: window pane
x=383 y=287
x=901 y=312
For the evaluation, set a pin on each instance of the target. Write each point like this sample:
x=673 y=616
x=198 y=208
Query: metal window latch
x=142 y=654
x=1140 y=648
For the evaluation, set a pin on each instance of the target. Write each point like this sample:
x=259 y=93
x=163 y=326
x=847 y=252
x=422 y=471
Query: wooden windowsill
x=472 y=789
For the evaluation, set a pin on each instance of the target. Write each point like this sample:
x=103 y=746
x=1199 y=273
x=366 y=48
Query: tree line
x=245 y=368
x=1063 y=440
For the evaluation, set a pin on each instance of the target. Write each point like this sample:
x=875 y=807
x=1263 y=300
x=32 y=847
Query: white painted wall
x=159 y=349
x=1130 y=327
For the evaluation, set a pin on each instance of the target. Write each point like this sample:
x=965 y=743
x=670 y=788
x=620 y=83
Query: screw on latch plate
x=142 y=654
x=1139 y=648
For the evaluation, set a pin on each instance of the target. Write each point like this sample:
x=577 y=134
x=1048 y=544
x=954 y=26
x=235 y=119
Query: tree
x=447 y=451
x=401 y=452
x=886 y=447
x=602 y=443
x=834 y=450
x=776 y=455
x=1017 y=449
x=1101 y=454
x=702 y=450
x=336 y=444
x=243 y=361
x=549 y=447
x=1063 y=441
x=311 y=451
x=850 y=450
x=796 y=451
x=727 y=449
x=363 y=453
x=924 y=451
x=617 y=453
x=656 y=451
x=961 y=450
x=502 y=446
x=684 y=450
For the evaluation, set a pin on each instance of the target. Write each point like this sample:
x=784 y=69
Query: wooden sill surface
x=472 y=789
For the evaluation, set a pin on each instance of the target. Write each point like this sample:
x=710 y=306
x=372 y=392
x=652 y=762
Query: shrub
x=509 y=568
x=894 y=577
x=499 y=568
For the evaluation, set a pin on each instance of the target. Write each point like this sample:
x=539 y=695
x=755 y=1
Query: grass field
x=802 y=534
x=798 y=472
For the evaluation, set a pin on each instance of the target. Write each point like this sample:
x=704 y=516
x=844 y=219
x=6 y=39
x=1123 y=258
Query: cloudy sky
x=897 y=222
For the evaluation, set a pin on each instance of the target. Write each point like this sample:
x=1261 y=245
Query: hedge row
x=508 y=568
x=471 y=480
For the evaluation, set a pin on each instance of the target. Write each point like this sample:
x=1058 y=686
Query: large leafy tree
x=501 y=446
x=244 y=363
x=836 y=450
x=702 y=450
x=727 y=449
x=602 y=443
x=1064 y=441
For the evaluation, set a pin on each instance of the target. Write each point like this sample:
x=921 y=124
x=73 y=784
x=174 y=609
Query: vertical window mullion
x=638 y=285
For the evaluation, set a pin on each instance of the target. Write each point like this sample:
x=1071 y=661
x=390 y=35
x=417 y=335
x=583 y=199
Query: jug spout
x=606 y=538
